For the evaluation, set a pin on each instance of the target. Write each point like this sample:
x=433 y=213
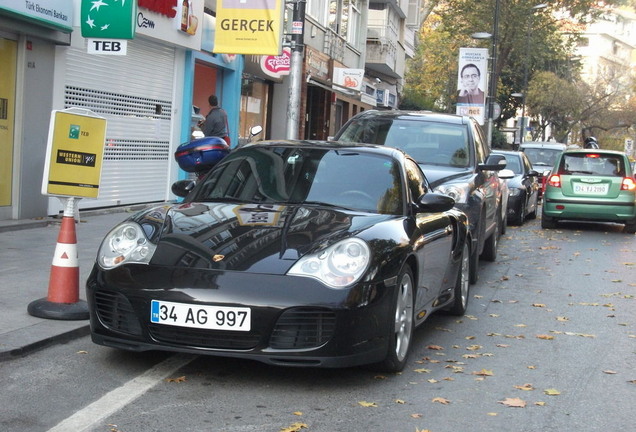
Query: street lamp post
x=522 y=127
x=492 y=87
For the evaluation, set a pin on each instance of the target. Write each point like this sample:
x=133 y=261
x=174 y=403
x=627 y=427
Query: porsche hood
x=245 y=237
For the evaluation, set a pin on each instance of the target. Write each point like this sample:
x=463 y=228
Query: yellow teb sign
x=74 y=154
x=249 y=27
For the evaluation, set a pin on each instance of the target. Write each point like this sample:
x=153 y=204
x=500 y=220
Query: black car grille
x=303 y=328
x=204 y=338
x=116 y=313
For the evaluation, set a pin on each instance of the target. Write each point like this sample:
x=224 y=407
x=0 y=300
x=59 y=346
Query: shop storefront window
x=254 y=99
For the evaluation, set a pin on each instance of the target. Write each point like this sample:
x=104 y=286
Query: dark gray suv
x=455 y=157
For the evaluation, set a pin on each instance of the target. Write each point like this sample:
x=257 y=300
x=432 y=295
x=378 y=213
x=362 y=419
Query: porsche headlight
x=458 y=191
x=126 y=243
x=339 y=265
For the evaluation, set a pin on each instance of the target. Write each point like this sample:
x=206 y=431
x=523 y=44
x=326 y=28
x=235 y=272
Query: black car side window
x=480 y=144
x=416 y=182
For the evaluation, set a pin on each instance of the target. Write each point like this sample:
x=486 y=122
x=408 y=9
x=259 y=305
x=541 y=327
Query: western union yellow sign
x=249 y=27
x=74 y=154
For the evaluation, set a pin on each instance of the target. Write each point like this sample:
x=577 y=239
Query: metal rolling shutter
x=134 y=93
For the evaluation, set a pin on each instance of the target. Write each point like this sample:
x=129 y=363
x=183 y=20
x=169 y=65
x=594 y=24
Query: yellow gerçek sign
x=253 y=27
x=74 y=154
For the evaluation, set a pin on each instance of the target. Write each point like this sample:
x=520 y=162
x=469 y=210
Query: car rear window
x=542 y=156
x=593 y=164
x=426 y=142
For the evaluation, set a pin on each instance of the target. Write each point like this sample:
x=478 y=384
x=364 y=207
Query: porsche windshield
x=293 y=174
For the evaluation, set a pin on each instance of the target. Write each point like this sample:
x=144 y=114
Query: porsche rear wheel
x=403 y=324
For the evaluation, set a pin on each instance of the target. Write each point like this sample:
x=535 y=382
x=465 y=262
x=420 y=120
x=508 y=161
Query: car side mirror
x=506 y=174
x=182 y=188
x=434 y=202
x=494 y=162
x=255 y=130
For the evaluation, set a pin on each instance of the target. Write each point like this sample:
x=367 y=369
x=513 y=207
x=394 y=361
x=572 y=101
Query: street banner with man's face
x=472 y=86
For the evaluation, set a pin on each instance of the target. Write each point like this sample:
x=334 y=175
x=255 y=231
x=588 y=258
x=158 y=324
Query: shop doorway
x=317 y=124
x=205 y=80
x=8 y=54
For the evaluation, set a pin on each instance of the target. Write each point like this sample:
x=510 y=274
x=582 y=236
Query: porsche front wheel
x=401 y=333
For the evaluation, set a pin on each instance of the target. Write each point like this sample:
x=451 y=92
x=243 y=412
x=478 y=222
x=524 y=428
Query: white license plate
x=591 y=189
x=203 y=317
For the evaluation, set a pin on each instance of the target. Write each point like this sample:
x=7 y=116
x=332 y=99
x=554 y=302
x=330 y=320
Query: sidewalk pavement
x=26 y=254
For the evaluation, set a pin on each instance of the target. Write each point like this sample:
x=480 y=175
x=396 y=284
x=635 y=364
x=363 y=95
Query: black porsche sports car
x=292 y=253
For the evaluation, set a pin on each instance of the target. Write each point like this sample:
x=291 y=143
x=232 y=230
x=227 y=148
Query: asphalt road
x=548 y=344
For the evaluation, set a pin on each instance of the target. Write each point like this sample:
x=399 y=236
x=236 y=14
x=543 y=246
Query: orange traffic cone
x=63 y=300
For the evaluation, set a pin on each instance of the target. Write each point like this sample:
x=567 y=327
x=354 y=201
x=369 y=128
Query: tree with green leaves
x=529 y=39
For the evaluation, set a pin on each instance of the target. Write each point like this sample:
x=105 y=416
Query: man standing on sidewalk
x=215 y=123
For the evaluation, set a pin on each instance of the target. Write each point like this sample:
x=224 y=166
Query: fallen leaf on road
x=471 y=356
x=514 y=402
x=441 y=400
x=539 y=305
x=422 y=370
x=176 y=380
x=399 y=401
x=484 y=372
x=82 y=352
x=435 y=347
x=492 y=414
x=545 y=337
x=610 y=372
x=367 y=404
x=552 y=392
x=295 y=427
x=417 y=415
x=525 y=387
x=562 y=318
x=540 y=403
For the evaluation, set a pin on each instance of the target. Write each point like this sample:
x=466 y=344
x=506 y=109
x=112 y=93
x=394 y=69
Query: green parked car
x=591 y=185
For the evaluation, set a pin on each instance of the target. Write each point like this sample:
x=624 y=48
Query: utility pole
x=492 y=88
x=296 y=69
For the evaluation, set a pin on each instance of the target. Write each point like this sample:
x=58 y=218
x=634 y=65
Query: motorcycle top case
x=201 y=154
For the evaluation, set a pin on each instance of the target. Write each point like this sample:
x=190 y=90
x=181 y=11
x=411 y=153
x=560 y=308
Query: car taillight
x=628 y=184
x=555 y=181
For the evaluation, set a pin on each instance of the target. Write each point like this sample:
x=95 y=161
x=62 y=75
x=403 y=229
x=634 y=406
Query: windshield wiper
x=323 y=204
